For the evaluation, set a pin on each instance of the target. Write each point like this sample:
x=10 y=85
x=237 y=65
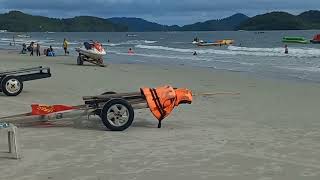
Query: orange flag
x=40 y=109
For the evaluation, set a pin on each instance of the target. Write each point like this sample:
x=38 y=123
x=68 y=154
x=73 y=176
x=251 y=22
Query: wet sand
x=269 y=131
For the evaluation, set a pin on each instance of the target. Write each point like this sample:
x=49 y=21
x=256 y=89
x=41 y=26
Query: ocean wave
x=308 y=69
x=164 y=48
x=183 y=58
x=293 y=52
x=234 y=50
x=131 y=42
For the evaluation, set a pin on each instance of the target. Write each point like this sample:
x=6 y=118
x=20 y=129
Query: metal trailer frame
x=83 y=58
x=116 y=111
x=11 y=82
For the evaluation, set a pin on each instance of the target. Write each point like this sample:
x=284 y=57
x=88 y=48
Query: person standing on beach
x=38 y=49
x=65 y=46
x=31 y=48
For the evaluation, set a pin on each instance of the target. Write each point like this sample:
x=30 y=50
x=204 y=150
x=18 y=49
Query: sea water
x=260 y=53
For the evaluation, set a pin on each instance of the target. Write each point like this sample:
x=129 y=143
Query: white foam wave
x=308 y=69
x=131 y=42
x=234 y=50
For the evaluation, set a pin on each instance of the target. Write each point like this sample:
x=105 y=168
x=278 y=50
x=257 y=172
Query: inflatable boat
x=316 y=39
x=293 y=39
x=216 y=43
x=92 y=50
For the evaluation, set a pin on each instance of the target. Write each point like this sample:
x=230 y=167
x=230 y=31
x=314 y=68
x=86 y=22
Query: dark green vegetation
x=141 y=25
x=227 y=24
x=16 y=21
x=283 y=21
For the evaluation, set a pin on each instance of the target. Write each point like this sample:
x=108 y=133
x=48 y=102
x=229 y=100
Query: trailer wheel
x=79 y=60
x=11 y=85
x=117 y=115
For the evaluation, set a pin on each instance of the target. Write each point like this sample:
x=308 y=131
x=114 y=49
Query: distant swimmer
x=130 y=51
x=195 y=53
x=286 y=51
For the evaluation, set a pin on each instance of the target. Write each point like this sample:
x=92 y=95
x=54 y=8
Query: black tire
x=108 y=107
x=79 y=60
x=5 y=86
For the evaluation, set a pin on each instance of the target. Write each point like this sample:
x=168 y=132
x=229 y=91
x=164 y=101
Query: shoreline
x=269 y=131
x=253 y=75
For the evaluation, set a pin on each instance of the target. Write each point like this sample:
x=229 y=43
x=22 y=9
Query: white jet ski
x=92 y=50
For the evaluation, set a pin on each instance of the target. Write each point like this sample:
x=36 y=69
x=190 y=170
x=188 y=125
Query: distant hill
x=16 y=21
x=283 y=21
x=226 y=24
x=141 y=25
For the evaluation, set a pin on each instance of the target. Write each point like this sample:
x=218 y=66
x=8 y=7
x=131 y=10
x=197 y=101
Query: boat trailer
x=116 y=111
x=83 y=58
x=11 y=82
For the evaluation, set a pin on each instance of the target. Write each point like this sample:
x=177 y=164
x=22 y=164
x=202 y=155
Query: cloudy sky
x=162 y=11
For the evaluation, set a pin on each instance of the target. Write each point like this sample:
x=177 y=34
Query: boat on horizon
x=23 y=36
x=215 y=43
x=294 y=39
x=316 y=39
x=132 y=35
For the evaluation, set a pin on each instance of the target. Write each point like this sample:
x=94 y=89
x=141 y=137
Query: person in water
x=38 y=49
x=286 y=51
x=195 y=53
x=65 y=46
x=130 y=51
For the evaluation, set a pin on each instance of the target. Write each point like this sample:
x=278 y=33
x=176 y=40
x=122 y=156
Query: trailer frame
x=11 y=82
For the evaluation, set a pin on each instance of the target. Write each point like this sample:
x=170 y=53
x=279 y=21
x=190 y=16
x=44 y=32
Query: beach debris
x=12 y=139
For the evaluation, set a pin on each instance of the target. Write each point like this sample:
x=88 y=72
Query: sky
x=167 y=12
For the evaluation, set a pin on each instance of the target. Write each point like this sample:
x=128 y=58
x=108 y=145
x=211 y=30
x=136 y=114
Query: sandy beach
x=270 y=131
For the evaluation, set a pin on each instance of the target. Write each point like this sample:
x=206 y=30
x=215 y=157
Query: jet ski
x=93 y=50
x=316 y=39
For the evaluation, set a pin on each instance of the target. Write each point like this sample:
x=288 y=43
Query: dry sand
x=269 y=131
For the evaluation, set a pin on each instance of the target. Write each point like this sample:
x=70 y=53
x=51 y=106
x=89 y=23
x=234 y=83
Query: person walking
x=65 y=46
x=38 y=49
x=31 y=48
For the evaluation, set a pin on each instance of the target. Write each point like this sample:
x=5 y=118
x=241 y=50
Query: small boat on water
x=3 y=31
x=294 y=39
x=215 y=43
x=132 y=35
x=23 y=36
x=316 y=39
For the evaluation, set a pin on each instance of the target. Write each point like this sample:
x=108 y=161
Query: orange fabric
x=162 y=100
x=40 y=109
x=184 y=96
x=97 y=46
